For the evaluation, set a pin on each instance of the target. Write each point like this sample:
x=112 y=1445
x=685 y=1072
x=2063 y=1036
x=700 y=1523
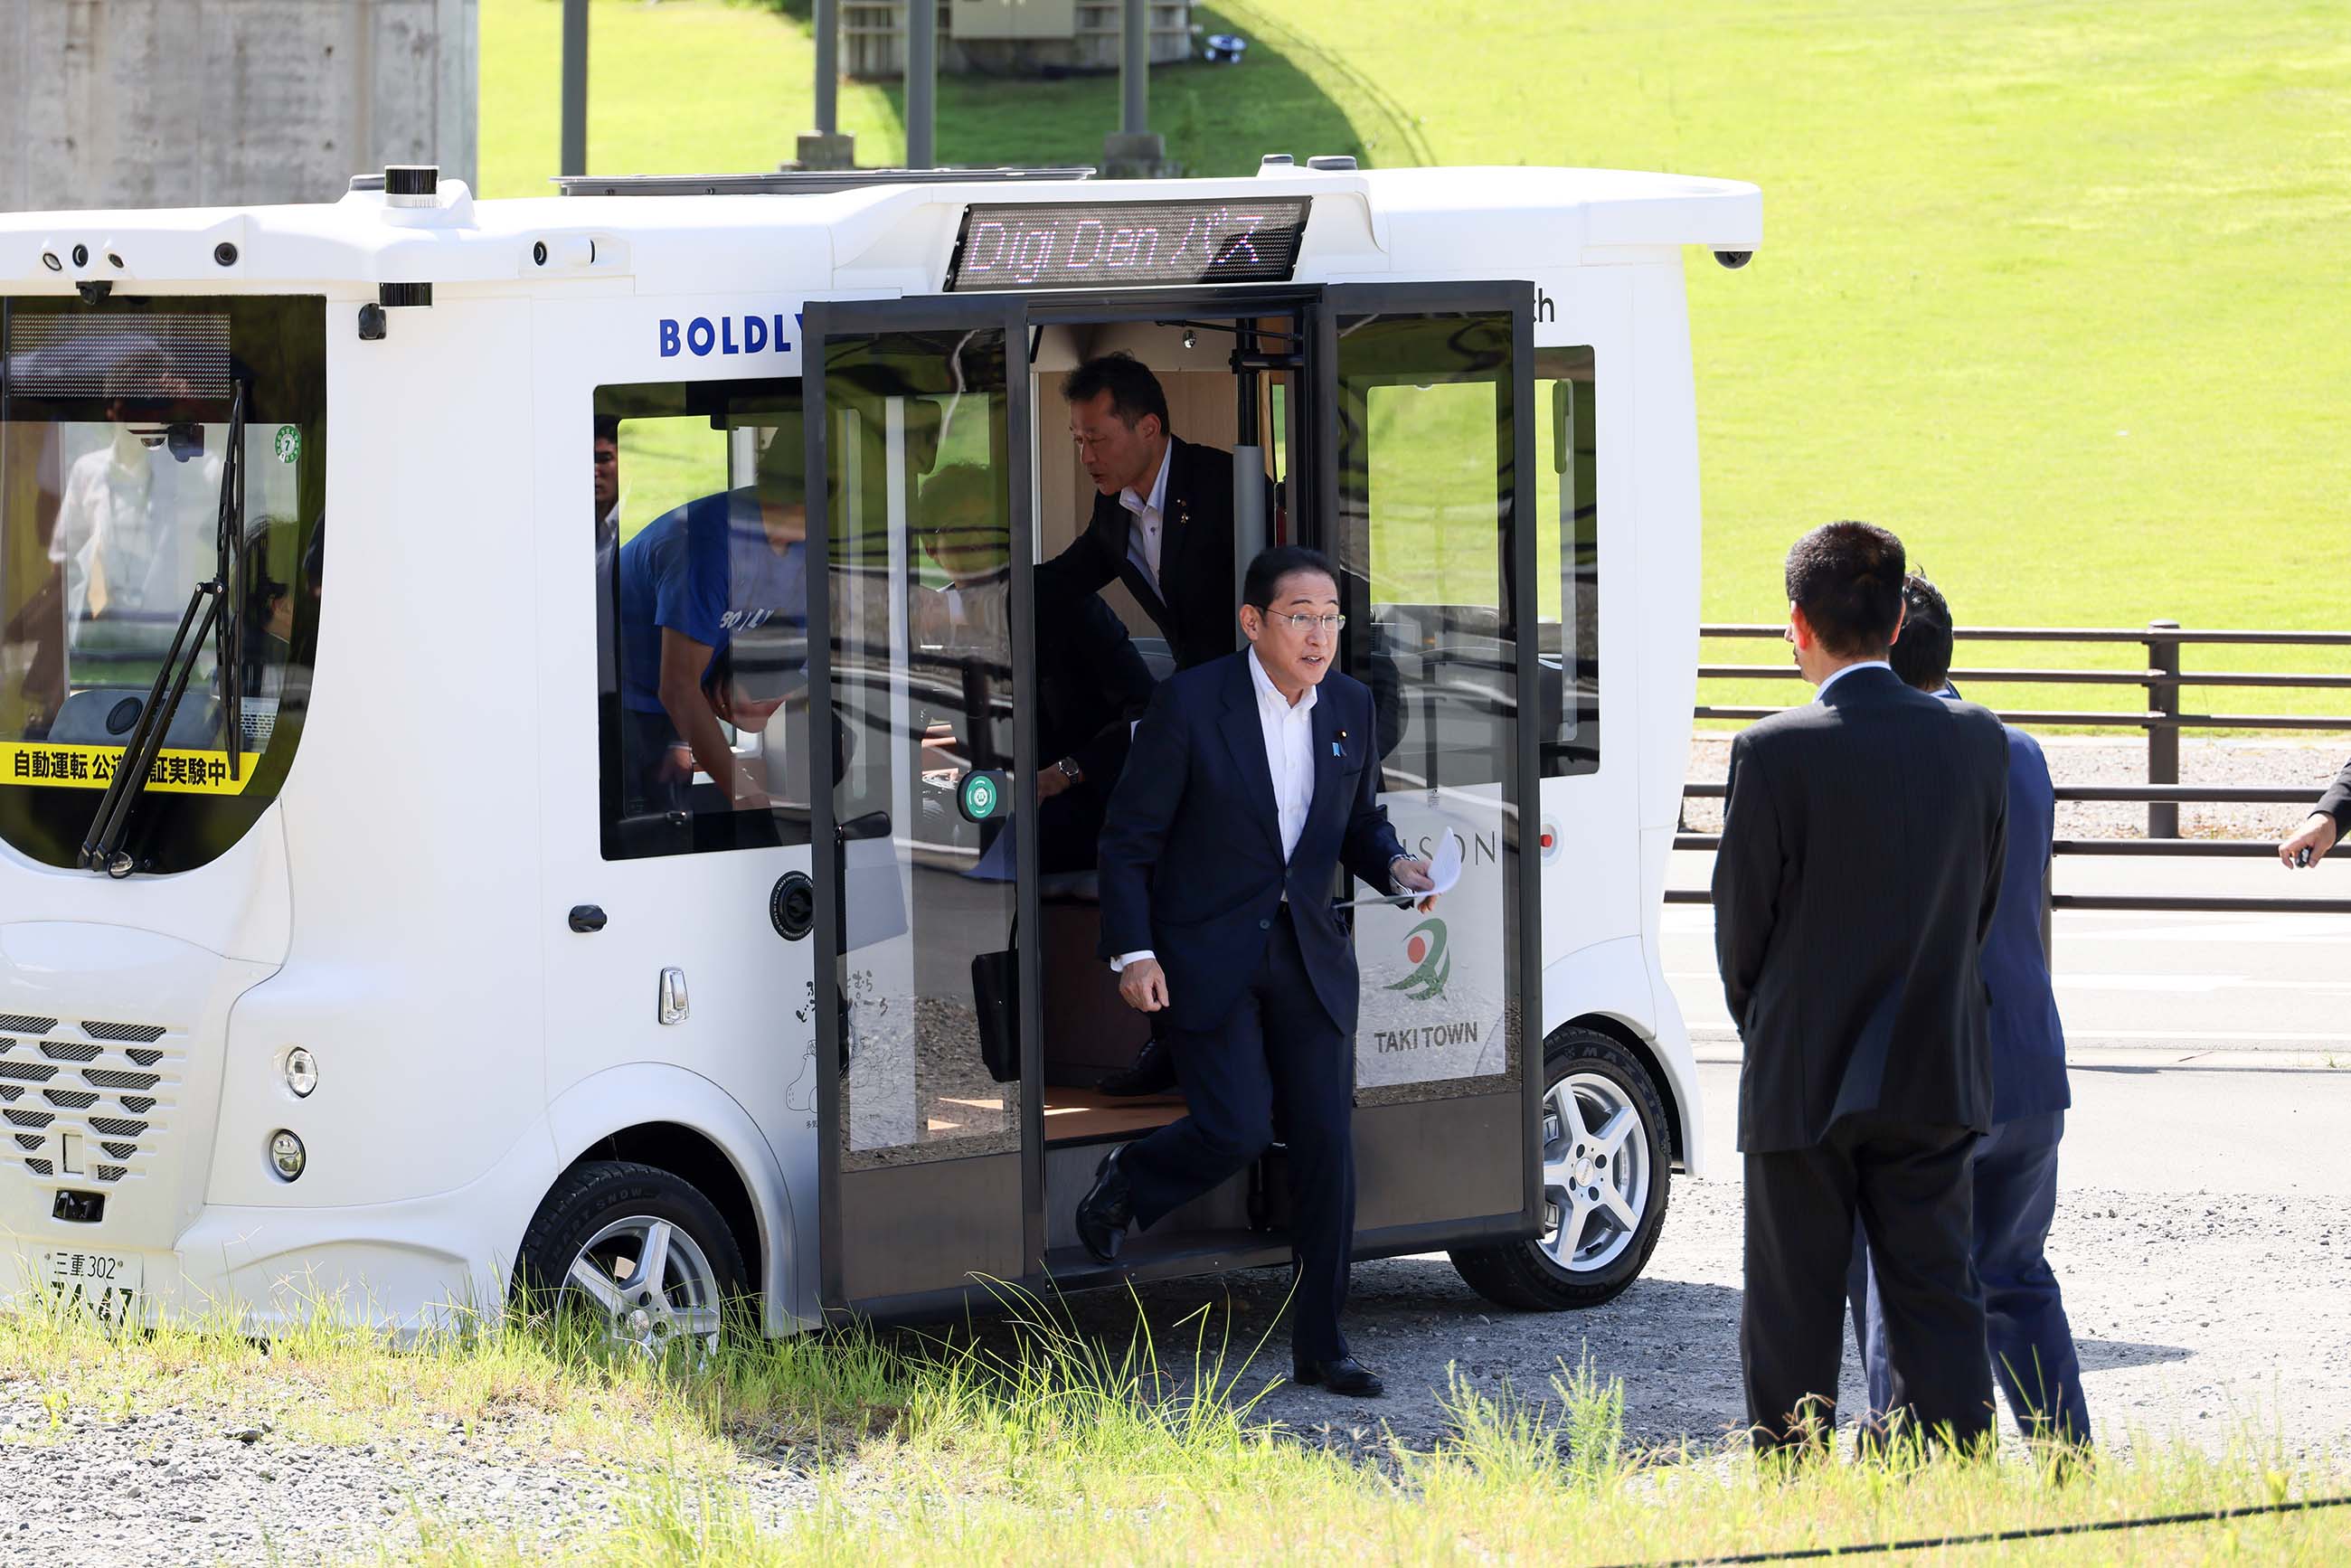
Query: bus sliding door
x=1425 y=413
x=918 y=422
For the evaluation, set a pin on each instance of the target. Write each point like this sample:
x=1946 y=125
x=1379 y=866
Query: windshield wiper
x=102 y=848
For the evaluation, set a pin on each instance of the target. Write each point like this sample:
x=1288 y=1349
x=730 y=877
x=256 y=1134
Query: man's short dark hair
x=1923 y=655
x=1134 y=389
x=1846 y=578
x=1266 y=572
x=608 y=428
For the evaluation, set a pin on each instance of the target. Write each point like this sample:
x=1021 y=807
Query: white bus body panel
x=400 y=909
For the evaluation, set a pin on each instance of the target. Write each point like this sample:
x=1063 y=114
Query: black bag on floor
x=995 y=998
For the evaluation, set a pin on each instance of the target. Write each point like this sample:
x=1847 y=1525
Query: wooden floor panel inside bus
x=1086 y=1116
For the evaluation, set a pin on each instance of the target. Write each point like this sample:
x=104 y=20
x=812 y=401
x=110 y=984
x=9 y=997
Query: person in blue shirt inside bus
x=723 y=567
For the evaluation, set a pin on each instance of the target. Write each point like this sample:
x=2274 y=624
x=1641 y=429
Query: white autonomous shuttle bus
x=386 y=924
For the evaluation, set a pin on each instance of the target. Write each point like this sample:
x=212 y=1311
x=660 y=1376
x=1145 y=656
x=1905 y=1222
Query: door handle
x=871 y=825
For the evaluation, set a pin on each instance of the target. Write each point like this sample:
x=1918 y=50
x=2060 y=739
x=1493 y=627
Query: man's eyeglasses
x=1302 y=624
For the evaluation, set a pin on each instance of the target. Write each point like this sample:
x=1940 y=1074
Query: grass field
x=2055 y=290
x=1067 y=1450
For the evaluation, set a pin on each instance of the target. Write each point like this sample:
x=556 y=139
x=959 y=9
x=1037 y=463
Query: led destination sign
x=1107 y=245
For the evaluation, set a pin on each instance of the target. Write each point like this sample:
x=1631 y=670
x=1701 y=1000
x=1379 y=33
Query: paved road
x=2177 y=986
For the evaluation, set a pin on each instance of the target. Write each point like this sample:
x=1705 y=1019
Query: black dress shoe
x=1106 y=1210
x=1154 y=1073
x=1346 y=1375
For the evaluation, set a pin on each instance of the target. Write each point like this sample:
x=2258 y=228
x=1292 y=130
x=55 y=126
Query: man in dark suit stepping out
x=2014 y=1173
x=1859 y=868
x=1251 y=780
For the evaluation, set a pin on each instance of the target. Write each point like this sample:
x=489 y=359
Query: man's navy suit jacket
x=2028 y=1043
x=1191 y=863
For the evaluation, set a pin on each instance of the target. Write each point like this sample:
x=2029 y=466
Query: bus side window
x=1567 y=549
x=700 y=531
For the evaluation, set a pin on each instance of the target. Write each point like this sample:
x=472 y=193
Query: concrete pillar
x=826 y=147
x=922 y=83
x=574 y=154
x=152 y=103
x=1133 y=151
x=1134 y=68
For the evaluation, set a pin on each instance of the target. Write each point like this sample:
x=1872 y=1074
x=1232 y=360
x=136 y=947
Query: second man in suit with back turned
x=1251 y=781
x=2014 y=1173
x=1860 y=864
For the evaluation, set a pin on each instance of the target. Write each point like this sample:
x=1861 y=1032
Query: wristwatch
x=1071 y=770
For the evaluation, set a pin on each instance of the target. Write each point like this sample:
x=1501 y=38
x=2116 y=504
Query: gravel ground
x=2089 y=759
x=2254 y=1331
x=200 y=1485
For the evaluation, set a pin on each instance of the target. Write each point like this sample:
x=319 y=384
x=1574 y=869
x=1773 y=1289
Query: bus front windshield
x=115 y=425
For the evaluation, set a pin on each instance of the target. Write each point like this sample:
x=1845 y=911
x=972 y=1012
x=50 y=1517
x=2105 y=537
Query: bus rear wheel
x=635 y=1254
x=1606 y=1165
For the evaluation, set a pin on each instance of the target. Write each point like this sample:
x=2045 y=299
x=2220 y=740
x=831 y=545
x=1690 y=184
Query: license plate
x=104 y=1284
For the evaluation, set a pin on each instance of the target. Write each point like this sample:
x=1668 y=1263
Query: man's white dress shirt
x=1837 y=675
x=1147 y=534
x=1288 y=729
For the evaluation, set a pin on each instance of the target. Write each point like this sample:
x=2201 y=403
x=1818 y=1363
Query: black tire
x=596 y=1194
x=1520 y=1275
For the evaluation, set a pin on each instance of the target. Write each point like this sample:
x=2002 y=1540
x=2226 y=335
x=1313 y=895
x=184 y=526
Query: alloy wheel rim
x=1595 y=1152
x=651 y=1286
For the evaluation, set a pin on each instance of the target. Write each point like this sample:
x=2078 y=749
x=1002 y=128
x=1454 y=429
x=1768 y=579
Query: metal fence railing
x=2162 y=722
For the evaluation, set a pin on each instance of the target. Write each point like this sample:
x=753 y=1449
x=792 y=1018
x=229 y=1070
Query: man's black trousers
x=1276 y=1063
x=1910 y=1183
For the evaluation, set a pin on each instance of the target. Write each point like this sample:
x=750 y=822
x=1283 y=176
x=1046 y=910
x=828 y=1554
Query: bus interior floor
x=1078 y=1115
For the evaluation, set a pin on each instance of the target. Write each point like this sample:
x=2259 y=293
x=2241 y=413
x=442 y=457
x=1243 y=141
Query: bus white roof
x=875 y=239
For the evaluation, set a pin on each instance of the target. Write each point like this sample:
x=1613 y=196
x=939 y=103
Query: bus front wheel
x=636 y=1254
x=1606 y=1165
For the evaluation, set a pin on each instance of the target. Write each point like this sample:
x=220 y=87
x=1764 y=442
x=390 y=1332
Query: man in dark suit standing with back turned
x=1860 y=864
x=1250 y=782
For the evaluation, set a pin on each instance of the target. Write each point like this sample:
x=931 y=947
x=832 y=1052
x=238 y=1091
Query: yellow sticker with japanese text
x=92 y=768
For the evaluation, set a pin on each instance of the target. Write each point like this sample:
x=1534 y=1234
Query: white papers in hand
x=1444 y=871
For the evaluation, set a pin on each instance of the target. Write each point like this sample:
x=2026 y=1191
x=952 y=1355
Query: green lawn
x=2055 y=290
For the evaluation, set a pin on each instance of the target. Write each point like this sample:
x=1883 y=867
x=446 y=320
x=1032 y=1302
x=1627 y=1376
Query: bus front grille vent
x=113 y=1086
x=136 y=1033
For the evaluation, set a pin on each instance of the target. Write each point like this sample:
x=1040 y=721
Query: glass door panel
x=924 y=1120
x=1425 y=529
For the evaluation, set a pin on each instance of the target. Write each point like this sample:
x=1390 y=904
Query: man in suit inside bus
x=2014 y=1173
x=1163 y=513
x=1250 y=781
x=1860 y=864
